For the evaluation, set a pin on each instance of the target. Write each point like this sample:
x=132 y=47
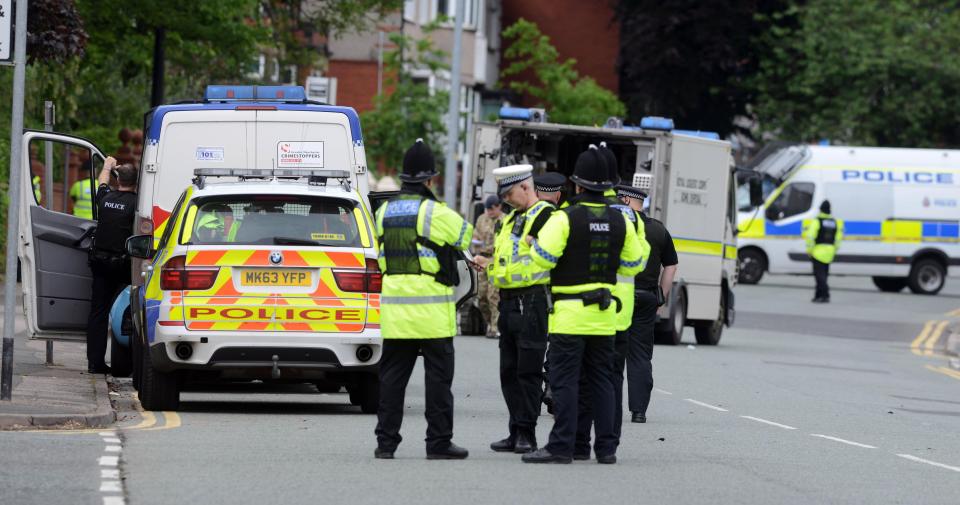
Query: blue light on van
x=656 y=123
x=698 y=133
x=264 y=93
x=518 y=113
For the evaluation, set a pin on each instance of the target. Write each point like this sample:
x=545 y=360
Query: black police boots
x=505 y=445
x=638 y=417
x=453 y=451
x=382 y=453
x=545 y=456
x=524 y=445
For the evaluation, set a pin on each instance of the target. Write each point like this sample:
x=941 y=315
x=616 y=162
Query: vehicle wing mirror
x=140 y=246
x=756 y=192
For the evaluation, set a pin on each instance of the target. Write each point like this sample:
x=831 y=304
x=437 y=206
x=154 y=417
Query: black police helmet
x=611 y=161
x=590 y=172
x=825 y=207
x=418 y=163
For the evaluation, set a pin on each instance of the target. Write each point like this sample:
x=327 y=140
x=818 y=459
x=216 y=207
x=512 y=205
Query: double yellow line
x=925 y=342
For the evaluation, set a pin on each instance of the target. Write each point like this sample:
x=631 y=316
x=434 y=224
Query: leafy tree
x=569 y=98
x=871 y=72
x=688 y=59
x=407 y=109
x=54 y=30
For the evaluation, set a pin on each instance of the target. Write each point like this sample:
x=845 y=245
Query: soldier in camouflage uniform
x=483 y=235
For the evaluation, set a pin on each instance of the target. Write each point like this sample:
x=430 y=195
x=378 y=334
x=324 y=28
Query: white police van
x=900 y=209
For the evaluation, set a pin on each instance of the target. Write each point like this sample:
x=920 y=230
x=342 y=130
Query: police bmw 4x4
x=261 y=274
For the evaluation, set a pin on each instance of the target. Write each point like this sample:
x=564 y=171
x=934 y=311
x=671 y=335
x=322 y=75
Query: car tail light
x=174 y=275
x=368 y=280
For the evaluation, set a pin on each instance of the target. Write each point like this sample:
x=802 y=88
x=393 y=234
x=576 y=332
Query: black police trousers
x=396 y=366
x=820 y=272
x=107 y=284
x=593 y=356
x=523 y=342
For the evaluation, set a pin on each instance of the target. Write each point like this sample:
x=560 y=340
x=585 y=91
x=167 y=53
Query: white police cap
x=510 y=175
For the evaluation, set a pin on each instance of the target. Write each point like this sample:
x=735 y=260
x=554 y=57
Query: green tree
x=407 y=109
x=569 y=98
x=867 y=73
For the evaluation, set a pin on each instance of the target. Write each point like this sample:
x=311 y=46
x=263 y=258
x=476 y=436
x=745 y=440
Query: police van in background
x=899 y=207
x=689 y=176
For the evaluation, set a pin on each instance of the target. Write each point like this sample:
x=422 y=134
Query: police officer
x=80 y=193
x=550 y=187
x=523 y=306
x=108 y=259
x=420 y=242
x=488 y=296
x=652 y=289
x=624 y=291
x=823 y=238
x=586 y=244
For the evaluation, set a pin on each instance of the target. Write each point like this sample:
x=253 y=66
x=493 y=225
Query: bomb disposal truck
x=899 y=208
x=689 y=176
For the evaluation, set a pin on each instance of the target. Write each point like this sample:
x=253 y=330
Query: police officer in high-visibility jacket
x=420 y=242
x=823 y=237
x=624 y=291
x=80 y=193
x=523 y=305
x=587 y=245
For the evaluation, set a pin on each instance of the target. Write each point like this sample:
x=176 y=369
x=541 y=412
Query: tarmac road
x=800 y=403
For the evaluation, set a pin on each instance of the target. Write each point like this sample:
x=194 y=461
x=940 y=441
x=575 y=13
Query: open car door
x=53 y=243
x=467 y=287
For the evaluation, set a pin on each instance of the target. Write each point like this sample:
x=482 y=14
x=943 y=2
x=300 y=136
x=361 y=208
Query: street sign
x=6 y=31
x=322 y=89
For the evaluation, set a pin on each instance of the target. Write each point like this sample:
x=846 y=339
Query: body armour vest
x=593 y=246
x=400 y=235
x=115 y=216
x=828 y=231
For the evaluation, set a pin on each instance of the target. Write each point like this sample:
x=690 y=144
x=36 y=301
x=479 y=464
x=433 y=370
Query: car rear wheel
x=927 y=277
x=890 y=284
x=158 y=390
x=752 y=266
x=366 y=393
x=709 y=332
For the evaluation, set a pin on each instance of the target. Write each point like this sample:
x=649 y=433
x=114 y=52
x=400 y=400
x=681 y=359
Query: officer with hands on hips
x=421 y=240
x=586 y=245
x=523 y=305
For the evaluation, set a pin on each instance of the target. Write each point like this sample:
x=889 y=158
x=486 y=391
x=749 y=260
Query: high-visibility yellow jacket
x=511 y=266
x=572 y=316
x=36 y=188
x=416 y=305
x=825 y=252
x=80 y=193
x=624 y=290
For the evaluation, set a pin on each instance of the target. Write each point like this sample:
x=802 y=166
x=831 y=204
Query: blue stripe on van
x=787 y=229
x=941 y=230
x=863 y=228
x=155 y=116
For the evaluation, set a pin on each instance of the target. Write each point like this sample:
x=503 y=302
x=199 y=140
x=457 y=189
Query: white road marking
x=707 y=405
x=109 y=460
x=112 y=448
x=662 y=391
x=771 y=423
x=842 y=441
x=110 y=486
x=111 y=440
x=113 y=500
x=113 y=474
x=928 y=462
x=108 y=433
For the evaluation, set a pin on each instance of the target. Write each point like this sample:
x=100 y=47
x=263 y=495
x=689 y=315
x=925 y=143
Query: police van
x=899 y=207
x=690 y=179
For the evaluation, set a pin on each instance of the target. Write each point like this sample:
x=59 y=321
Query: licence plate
x=286 y=278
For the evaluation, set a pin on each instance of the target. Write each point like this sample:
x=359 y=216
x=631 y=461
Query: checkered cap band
x=510 y=180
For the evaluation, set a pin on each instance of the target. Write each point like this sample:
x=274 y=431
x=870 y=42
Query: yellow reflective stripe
x=730 y=252
x=364 y=229
x=188 y=224
x=754 y=228
x=901 y=231
x=702 y=247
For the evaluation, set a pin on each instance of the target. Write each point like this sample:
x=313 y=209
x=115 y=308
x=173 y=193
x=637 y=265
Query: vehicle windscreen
x=767 y=184
x=271 y=220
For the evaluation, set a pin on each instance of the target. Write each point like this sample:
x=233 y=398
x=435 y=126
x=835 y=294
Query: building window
x=448 y=8
x=410 y=10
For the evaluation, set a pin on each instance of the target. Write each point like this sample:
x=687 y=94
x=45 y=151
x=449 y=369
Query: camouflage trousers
x=488 y=297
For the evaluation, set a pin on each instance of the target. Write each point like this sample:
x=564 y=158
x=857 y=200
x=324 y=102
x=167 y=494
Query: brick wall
x=356 y=83
x=579 y=29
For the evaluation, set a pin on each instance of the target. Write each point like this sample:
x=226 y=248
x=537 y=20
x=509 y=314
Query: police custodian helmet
x=418 y=164
x=591 y=171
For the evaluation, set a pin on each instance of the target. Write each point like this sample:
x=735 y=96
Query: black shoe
x=581 y=456
x=453 y=451
x=382 y=453
x=820 y=300
x=609 y=459
x=524 y=445
x=638 y=417
x=104 y=369
x=544 y=456
x=505 y=445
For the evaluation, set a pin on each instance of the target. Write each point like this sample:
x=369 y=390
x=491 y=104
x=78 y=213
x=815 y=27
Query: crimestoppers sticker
x=299 y=154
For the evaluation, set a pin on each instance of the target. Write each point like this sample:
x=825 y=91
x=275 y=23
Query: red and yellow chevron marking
x=261 y=258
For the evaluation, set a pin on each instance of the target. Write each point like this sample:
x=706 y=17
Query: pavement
x=58 y=395
x=851 y=402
